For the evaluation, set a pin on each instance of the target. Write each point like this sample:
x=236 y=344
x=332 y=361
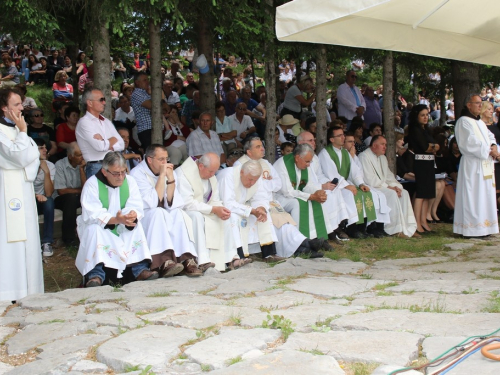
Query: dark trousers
x=47 y=209
x=145 y=138
x=68 y=204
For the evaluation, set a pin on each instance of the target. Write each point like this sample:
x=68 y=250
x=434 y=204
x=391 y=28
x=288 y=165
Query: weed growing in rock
x=470 y=291
x=205 y=368
x=494 y=303
x=279 y=322
x=313 y=351
x=386 y=285
x=232 y=361
x=365 y=276
x=358 y=368
x=160 y=294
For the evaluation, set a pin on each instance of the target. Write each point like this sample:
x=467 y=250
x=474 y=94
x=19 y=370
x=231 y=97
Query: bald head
x=308 y=138
x=208 y=164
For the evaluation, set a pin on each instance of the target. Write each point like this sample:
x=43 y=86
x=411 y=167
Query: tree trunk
x=253 y=73
x=442 y=99
x=155 y=82
x=321 y=126
x=206 y=84
x=270 y=77
x=102 y=66
x=389 y=113
x=394 y=77
x=465 y=81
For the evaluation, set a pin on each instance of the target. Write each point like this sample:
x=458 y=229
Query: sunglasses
x=38 y=115
x=354 y=76
x=102 y=100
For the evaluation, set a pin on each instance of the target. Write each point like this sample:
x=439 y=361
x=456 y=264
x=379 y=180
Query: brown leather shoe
x=147 y=275
x=191 y=268
x=170 y=268
x=274 y=259
x=205 y=266
x=95 y=281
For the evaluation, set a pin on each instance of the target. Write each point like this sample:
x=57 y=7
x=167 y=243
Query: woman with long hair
x=424 y=147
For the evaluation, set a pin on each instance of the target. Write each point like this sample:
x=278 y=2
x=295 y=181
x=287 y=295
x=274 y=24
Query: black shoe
x=368 y=235
x=315 y=254
x=357 y=235
x=325 y=245
x=341 y=235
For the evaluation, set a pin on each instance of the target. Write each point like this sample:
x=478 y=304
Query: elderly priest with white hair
x=166 y=228
x=213 y=235
x=242 y=192
x=302 y=196
x=109 y=228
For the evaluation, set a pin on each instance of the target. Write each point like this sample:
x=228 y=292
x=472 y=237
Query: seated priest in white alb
x=378 y=175
x=336 y=162
x=242 y=193
x=290 y=241
x=164 y=223
x=109 y=227
x=340 y=217
x=302 y=195
x=213 y=235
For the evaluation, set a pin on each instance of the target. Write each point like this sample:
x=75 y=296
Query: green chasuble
x=319 y=219
x=361 y=198
x=104 y=197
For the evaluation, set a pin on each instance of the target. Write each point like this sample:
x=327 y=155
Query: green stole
x=361 y=198
x=104 y=198
x=319 y=219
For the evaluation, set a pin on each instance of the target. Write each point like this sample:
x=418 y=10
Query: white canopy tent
x=463 y=30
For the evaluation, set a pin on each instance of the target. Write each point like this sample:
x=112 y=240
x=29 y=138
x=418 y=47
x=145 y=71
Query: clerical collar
x=100 y=176
x=5 y=121
x=466 y=112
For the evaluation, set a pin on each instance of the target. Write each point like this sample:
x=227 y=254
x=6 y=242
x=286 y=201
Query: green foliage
x=279 y=322
x=493 y=303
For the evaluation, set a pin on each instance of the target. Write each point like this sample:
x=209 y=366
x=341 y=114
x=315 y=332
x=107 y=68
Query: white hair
x=302 y=150
x=252 y=167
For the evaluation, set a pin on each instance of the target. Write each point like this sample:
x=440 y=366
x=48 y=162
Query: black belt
x=94 y=162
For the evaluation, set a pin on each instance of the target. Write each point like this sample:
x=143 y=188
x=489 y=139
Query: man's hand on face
x=222 y=212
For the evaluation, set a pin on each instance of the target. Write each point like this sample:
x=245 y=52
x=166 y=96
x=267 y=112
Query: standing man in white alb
x=475 y=206
x=95 y=134
x=21 y=270
x=351 y=101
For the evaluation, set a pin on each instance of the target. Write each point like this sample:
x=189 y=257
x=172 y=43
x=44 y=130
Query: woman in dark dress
x=424 y=147
x=404 y=165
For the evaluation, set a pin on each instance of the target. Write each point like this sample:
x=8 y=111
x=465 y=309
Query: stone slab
x=333 y=286
x=416 y=274
x=6 y=331
x=152 y=303
x=421 y=323
x=35 y=335
x=230 y=343
x=405 y=262
x=5 y=368
x=448 y=267
x=389 y=369
x=323 y=264
x=70 y=345
x=243 y=286
x=448 y=286
x=275 y=301
x=55 y=365
x=358 y=346
x=285 y=362
x=63 y=315
x=86 y=367
x=151 y=345
x=81 y=295
x=435 y=346
x=122 y=319
x=42 y=302
x=197 y=317
x=180 y=284
x=459 y=245
x=472 y=303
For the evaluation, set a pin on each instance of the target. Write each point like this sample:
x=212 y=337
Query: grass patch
x=206 y=291
x=491 y=277
x=358 y=368
x=408 y=292
x=494 y=303
x=232 y=361
x=205 y=368
x=54 y=321
x=313 y=351
x=384 y=293
x=470 y=291
x=160 y=294
x=366 y=276
x=394 y=247
x=385 y=286
x=279 y=322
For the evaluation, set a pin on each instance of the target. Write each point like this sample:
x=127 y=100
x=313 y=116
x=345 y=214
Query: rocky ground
x=303 y=316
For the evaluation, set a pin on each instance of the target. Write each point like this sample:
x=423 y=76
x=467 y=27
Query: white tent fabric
x=464 y=30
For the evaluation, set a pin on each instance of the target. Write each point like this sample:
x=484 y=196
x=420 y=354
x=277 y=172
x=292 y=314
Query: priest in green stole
x=109 y=228
x=301 y=193
x=336 y=162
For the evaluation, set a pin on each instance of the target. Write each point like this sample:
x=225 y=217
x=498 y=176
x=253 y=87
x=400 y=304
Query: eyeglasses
x=38 y=115
x=161 y=160
x=102 y=100
x=353 y=76
x=117 y=174
x=241 y=108
x=339 y=135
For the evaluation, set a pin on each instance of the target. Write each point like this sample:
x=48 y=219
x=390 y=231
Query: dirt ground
x=59 y=271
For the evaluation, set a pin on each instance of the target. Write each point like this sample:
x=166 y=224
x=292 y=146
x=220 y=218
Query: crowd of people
x=207 y=198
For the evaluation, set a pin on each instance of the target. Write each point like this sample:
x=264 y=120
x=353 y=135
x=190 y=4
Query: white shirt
x=122 y=116
x=240 y=127
x=38 y=184
x=347 y=101
x=94 y=149
x=173 y=98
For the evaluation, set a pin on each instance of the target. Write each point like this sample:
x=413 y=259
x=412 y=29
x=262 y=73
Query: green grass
x=232 y=361
x=160 y=294
x=493 y=303
x=385 y=286
x=392 y=247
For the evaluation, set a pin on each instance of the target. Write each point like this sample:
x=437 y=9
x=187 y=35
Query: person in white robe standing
x=21 y=271
x=378 y=175
x=290 y=241
x=109 y=227
x=172 y=251
x=337 y=162
x=213 y=235
x=475 y=205
x=341 y=215
x=241 y=192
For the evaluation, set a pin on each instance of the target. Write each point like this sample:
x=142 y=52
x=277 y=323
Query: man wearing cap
x=95 y=134
x=285 y=125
